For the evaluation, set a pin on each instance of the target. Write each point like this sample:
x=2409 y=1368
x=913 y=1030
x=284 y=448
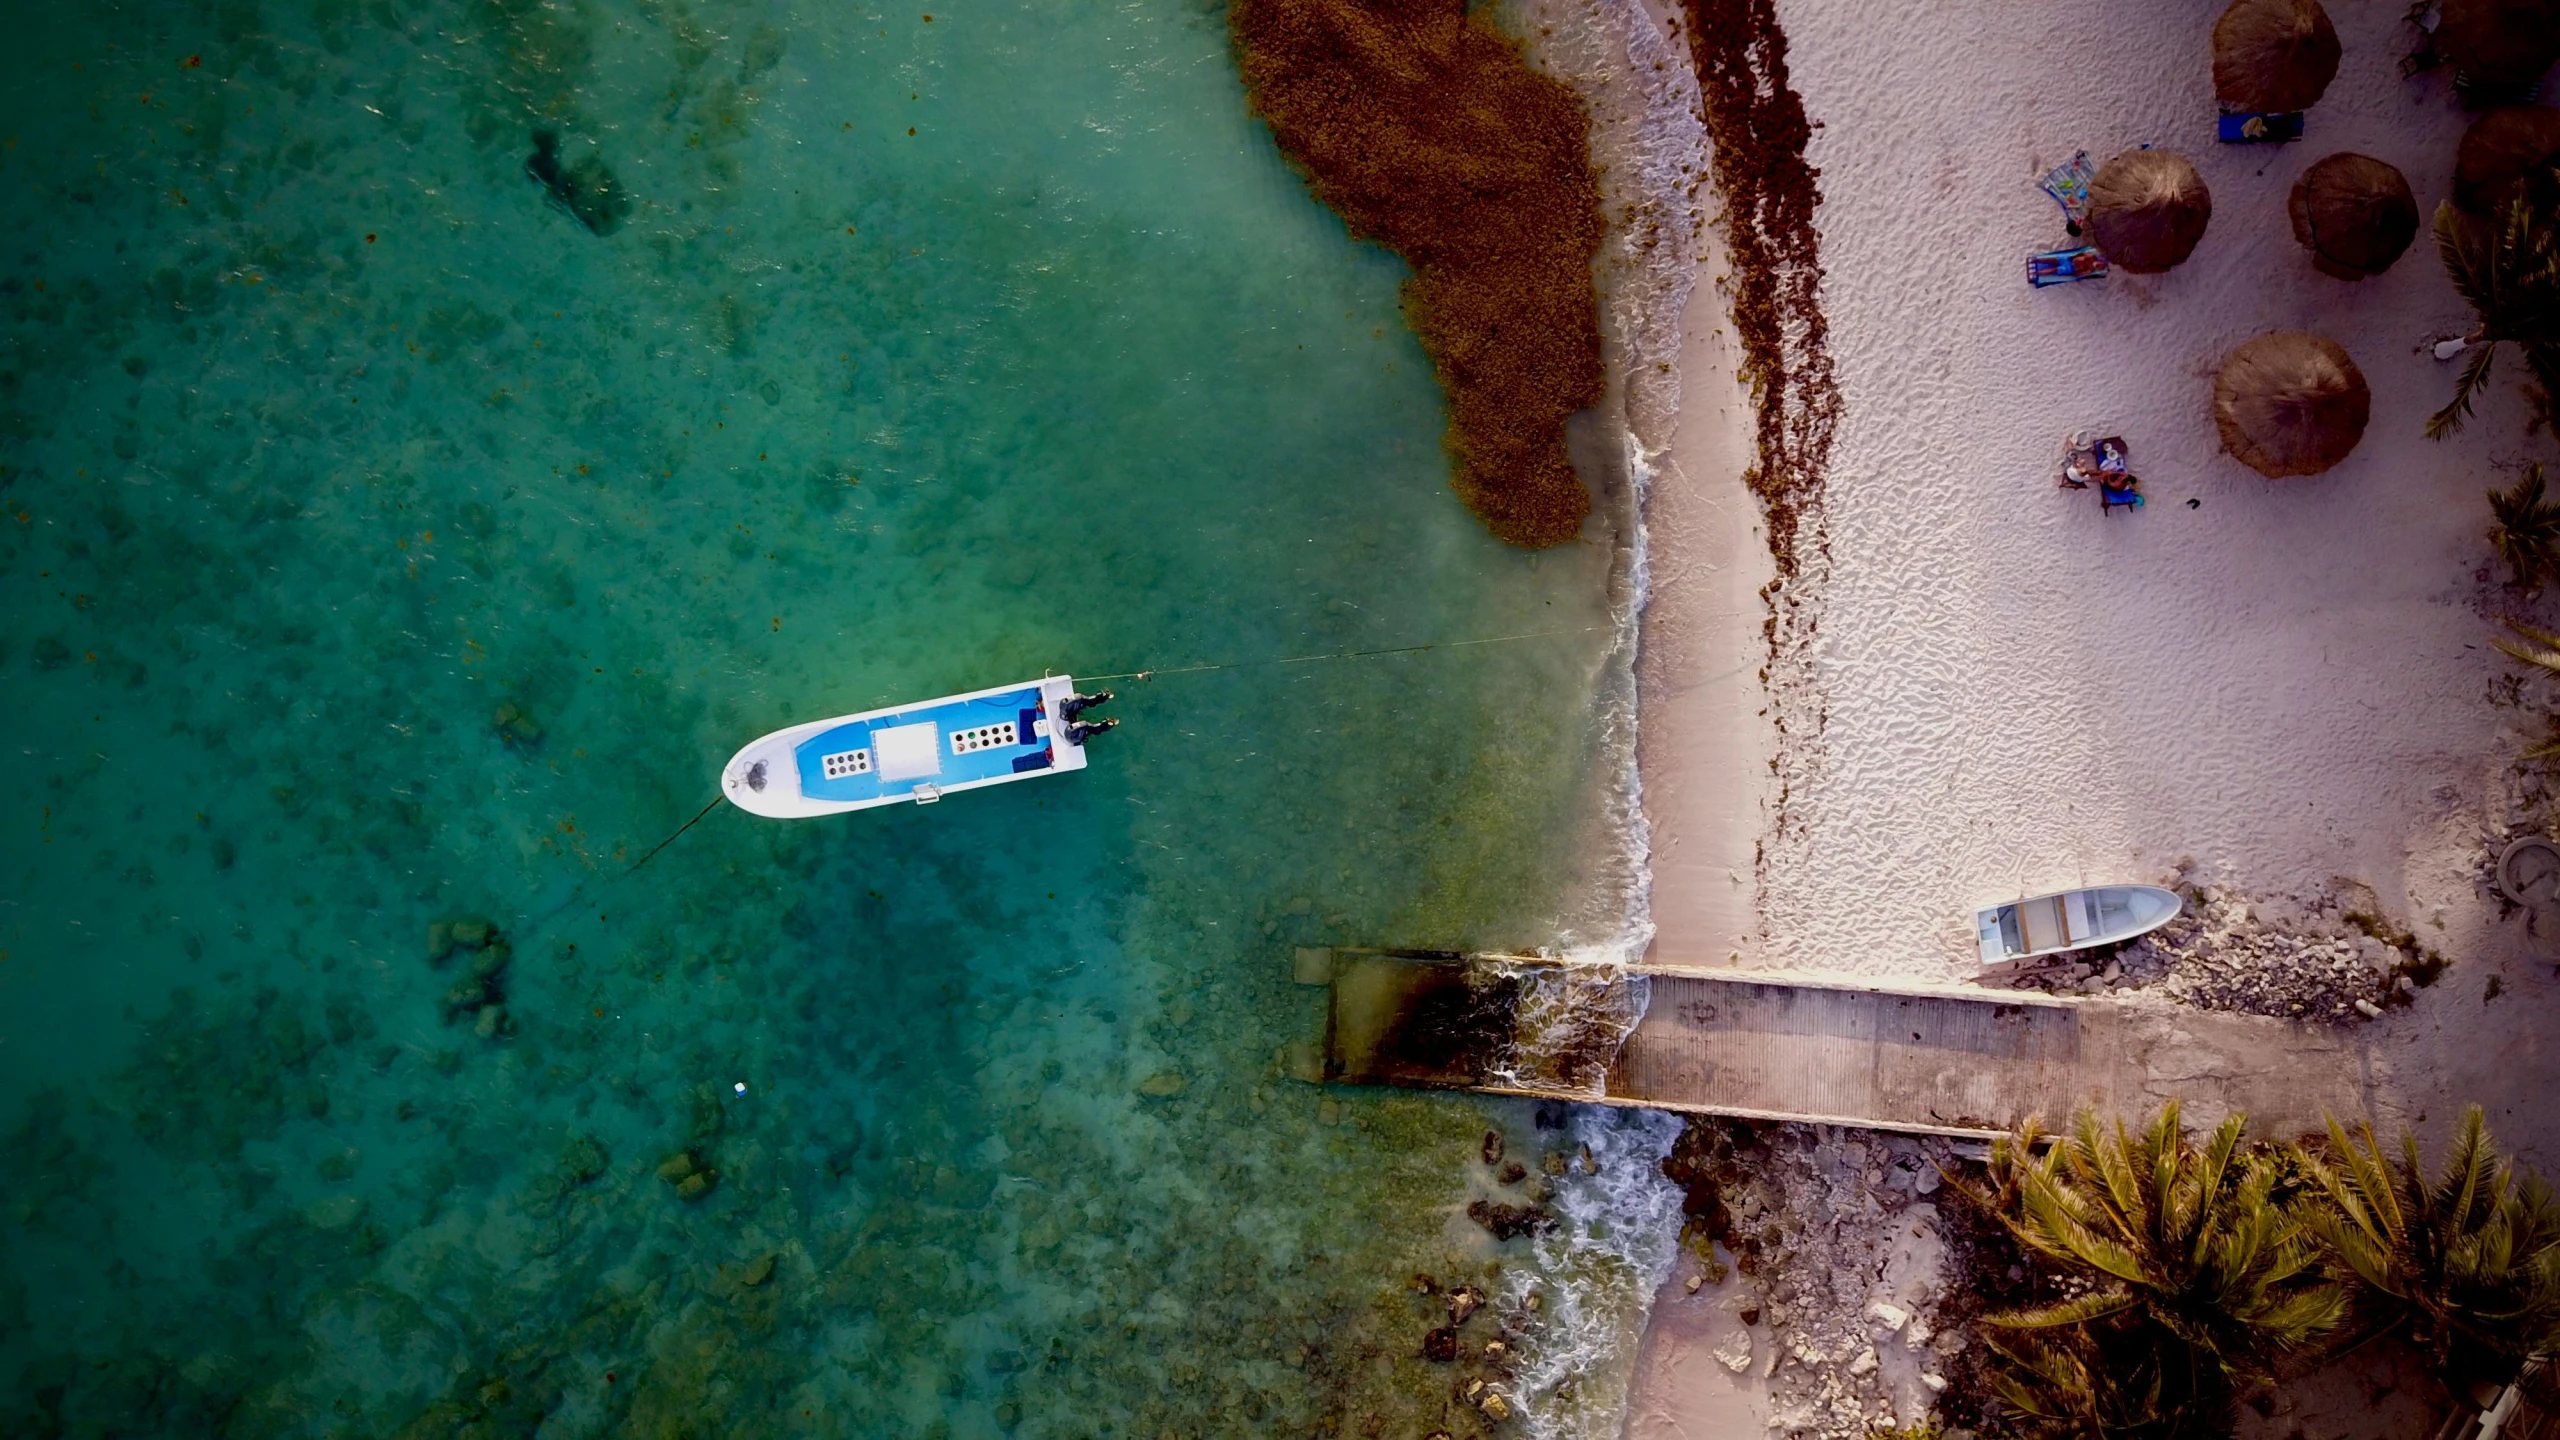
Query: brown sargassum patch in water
x=1424 y=128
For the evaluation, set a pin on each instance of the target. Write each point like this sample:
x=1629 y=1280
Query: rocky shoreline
x=1825 y=1256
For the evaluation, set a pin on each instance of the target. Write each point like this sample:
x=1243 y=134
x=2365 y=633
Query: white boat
x=2072 y=920
x=917 y=753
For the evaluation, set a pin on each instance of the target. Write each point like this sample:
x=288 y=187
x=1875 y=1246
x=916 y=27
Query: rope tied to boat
x=670 y=840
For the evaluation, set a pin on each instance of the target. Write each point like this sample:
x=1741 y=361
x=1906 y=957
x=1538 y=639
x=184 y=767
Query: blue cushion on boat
x=1033 y=762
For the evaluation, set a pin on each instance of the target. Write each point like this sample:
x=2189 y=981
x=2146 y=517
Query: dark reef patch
x=1424 y=128
x=584 y=187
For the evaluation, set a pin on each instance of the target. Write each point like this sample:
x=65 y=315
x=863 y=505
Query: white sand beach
x=2283 y=682
x=2283 y=688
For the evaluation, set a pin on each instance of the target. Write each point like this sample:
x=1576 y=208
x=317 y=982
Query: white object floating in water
x=742 y=1087
x=918 y=752
x=2072 y=920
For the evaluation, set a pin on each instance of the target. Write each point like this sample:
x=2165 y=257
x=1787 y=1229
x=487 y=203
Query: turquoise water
x=384 y=546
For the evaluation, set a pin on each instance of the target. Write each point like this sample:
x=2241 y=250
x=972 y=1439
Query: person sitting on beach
x=2103 y=461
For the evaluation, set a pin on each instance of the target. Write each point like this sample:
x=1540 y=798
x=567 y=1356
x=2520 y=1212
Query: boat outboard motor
x=1075 y=705
x=1078 y=731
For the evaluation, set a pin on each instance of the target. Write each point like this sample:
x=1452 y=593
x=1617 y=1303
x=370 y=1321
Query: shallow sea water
x=930 y=355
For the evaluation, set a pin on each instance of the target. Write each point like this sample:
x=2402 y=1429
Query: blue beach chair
x=2269 y=129
x=2062 y=267
x=2068 y=184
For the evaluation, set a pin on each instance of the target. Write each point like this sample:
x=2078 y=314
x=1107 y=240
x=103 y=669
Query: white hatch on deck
x=908 y=752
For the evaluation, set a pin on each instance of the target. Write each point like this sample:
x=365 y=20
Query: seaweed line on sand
x=1425 y=129
x=1758 y=131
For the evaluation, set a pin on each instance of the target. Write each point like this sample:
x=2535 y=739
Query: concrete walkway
x=1810 y=1048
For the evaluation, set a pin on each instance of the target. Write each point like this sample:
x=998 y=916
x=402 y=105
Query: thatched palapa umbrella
x=2501 y=149
x=2499 y=42
x=2147 y=210
x=2290 y=404
x=2354 y=214
x=2273 y=55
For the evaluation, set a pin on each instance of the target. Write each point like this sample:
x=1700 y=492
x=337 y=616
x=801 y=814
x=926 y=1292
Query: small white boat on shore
x=2072 y=920
x=917 y=753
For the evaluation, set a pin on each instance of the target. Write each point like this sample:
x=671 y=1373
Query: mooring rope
x=603 y=883
x=670 y=840
x=1340 y=655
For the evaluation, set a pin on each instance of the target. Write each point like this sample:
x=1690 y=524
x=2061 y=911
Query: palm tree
x=2508 y=267
x=2527 y=532
x=2468 y=1265
x=2195 y=1278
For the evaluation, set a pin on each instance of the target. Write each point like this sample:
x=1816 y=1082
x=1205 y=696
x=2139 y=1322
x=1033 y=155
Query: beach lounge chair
x=2272 y=129
x=2061 y=267
x=2068 y=184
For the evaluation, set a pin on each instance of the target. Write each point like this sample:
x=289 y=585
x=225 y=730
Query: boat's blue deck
x=970 y=740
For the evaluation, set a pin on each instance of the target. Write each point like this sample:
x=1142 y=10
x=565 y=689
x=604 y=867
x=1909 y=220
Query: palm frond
x=2303 y=1316
x=2467 y=384
x=2463 y=245
x=2472 y=1177
x=2096 y=1305
x=2526 y=532
x=2542 y=649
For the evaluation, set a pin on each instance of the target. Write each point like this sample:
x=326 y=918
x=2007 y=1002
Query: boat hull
x=2068 y=920
x=905 y=754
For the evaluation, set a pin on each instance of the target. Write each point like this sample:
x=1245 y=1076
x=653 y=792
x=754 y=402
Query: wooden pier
x=1788 y=1046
